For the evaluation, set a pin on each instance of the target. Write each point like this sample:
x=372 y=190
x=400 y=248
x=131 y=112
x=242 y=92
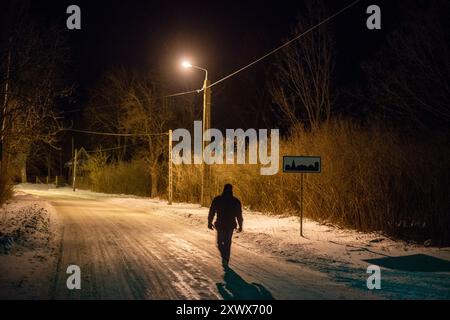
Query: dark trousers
x=224 y=237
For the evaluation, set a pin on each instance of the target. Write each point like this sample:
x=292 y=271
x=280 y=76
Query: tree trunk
x=154 y=182
x=23 y=170
x=22 y=166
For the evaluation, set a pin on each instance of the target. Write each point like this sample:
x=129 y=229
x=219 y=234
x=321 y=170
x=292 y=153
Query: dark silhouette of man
x=229 y=211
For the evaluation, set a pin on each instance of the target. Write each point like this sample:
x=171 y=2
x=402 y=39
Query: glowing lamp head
x=186 y=64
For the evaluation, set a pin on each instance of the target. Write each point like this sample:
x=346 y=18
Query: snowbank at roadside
x=29 y=232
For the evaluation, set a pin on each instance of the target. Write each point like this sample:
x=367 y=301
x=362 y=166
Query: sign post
x=301 y=204
x=74 y=169
x=301 y=165
x=170 y=185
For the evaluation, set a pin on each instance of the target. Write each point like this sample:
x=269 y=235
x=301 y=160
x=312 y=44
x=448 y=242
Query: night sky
x=154 y=36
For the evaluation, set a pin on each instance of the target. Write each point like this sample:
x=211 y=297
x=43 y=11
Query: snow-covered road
x=136 y=248
x=132 y=253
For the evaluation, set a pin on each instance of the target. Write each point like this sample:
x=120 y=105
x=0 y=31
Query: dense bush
x=116 y=178
x=373 y=179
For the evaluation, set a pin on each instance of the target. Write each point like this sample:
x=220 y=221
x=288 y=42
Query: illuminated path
x=136 y=253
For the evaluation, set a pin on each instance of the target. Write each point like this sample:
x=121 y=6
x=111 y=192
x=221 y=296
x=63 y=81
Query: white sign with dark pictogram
x=302 y=164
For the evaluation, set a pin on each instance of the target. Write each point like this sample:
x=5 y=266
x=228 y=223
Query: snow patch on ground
x=29 y=232
x=28 y=227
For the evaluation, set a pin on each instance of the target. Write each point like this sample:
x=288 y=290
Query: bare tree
x=148 y=115
x=33 y=86
x=105 y=111
x=138 y=110
x=412 y=80
x=302 y=73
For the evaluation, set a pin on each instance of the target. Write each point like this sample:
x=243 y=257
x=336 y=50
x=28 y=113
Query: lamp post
x=205 y=184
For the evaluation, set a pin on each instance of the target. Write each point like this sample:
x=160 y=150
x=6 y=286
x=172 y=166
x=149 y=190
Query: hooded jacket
x=228 y=209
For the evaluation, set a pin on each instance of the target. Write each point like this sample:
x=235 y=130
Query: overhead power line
x=115 y=148
x=119 y=134
x=181 y=93
x=178 y=94
x=286 y=44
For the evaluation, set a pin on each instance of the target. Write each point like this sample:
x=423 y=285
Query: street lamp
x=187 y=65
x=206 y=126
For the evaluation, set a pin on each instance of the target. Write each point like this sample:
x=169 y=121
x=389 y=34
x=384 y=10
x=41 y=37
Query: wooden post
x=205 y=186
x=72 y=156
x=49 y=174
x=56 y=181
x=74 y=169
x=301 y=206
x=170 y=168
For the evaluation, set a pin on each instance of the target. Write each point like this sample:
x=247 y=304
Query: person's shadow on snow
x=236 y=288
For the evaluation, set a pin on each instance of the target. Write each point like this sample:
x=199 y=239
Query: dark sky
x=222 y=36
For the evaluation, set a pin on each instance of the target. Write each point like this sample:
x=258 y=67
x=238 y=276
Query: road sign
x=302 y=165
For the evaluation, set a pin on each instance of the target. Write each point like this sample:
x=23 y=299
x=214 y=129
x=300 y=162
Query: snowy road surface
x=143 y=249
x=128 y=253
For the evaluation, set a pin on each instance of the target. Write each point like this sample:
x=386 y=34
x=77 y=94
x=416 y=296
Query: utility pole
x=301 y=203
x=60 y=163
x=205 y=172
x=74 y=170
x=206 y=169
x=72 y=156
x=60 y=169
x=48 y=169
x=170 y=168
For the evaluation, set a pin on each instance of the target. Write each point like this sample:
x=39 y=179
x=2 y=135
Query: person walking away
x=229 y=217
